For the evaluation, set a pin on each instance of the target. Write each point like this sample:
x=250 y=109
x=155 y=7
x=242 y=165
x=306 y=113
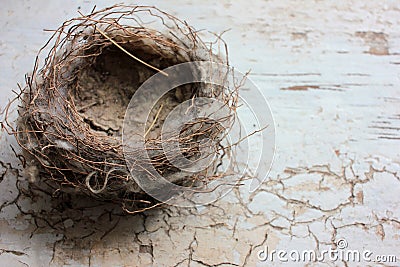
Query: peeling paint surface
x=331 y=74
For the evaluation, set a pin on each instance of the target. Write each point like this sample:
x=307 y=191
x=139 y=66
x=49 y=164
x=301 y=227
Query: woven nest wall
x=72 y=109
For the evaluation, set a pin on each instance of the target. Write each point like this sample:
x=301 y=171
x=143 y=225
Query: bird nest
x=72 y=109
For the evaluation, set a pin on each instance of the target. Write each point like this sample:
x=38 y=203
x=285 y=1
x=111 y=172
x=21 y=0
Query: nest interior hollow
x=103 y=90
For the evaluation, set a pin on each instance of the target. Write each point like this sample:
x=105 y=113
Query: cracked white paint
x=330 y=72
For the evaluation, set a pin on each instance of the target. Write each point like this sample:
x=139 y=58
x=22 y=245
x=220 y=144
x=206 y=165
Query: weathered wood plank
x=331 y=73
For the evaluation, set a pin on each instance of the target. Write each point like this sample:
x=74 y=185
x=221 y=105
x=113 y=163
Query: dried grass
x=73 y=153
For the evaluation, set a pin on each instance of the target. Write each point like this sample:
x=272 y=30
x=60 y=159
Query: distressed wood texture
x=330 y=72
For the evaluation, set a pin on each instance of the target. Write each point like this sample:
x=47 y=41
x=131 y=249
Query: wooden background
x=330 y=72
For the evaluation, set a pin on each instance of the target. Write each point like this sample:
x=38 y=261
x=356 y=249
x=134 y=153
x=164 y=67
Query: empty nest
x=72 y=108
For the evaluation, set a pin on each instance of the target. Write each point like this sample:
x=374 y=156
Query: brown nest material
x=72 y=109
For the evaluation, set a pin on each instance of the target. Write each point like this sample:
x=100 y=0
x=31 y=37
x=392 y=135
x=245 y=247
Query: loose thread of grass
x=154 y=121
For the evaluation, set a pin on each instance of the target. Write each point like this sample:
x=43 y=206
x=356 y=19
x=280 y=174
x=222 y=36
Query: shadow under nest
x=72 y=110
